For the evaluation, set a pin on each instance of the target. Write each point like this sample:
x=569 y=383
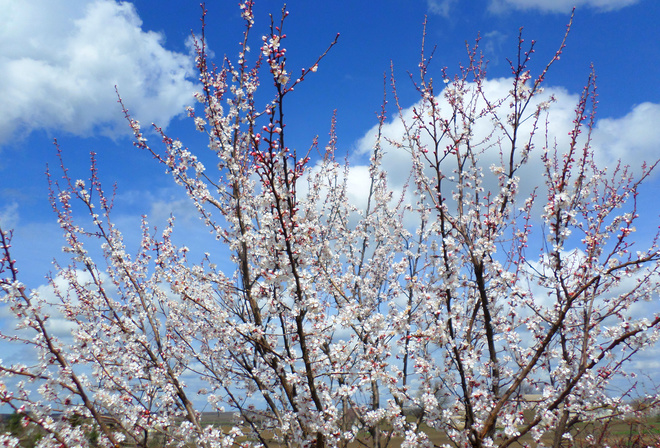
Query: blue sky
x=60 y=60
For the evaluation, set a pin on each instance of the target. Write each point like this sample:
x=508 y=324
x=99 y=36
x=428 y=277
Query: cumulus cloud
x=57 y=324
x=632 y=138
x=62 y=58
x=560 y=6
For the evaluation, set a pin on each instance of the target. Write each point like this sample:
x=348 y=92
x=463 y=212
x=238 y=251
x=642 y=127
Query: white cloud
x=62 y=58
x=57 y=324
x=49 y=302
x=560 y=6
x=9 y=216
x=183 y=209
x=632 y=138
x=440 y=7
x=492 y=44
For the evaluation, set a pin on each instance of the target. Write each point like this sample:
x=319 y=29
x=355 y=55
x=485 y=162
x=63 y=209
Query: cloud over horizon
x=62 y=59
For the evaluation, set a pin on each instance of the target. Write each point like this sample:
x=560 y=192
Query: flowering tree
x=421 y=313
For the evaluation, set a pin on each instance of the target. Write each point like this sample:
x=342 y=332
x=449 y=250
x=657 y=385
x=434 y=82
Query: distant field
x=614 y=433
